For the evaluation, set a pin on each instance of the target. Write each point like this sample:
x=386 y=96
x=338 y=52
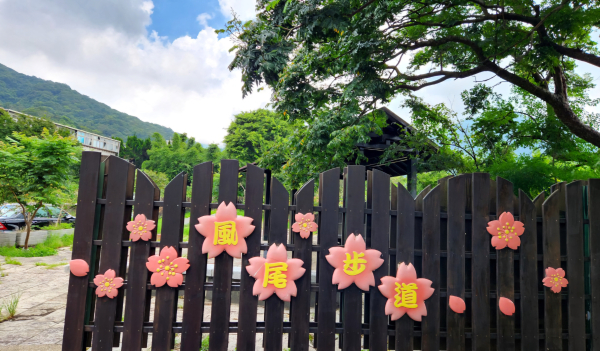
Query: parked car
x=12 y=218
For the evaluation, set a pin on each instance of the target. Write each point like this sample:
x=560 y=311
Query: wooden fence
x=442 y=233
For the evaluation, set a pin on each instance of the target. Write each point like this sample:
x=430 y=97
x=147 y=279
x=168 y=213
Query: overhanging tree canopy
x=344 y=57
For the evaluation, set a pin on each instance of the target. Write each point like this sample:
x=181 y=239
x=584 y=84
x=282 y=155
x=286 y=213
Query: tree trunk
x=565 y=114
x=28 y=226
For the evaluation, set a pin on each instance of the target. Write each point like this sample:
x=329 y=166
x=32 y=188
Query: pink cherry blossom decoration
x=555 y=279
x=167 y=267
x=140 y=228
x=457 y=304
x=506 y=306
x=275 y=274
x=406 y=293
x=506 y=231
x=79 y=267
x=225 y=231
x=353 y=263
x=305 y=224
x=108 y=284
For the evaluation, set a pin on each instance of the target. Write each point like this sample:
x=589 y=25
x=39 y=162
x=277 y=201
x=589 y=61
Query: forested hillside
x=64 y=105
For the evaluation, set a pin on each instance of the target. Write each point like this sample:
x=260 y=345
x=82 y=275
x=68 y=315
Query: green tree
x=214 y=154
x=253 y=133
x=24 y=124
x=135 y=149
x=174 y=158
x=341 y=59
x=35 y=170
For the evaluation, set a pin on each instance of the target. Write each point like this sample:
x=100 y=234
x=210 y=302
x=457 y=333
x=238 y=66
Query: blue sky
x=177 y=18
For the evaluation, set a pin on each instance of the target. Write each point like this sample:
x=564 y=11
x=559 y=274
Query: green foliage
x=331 y=63
x=181 y=155
x=10 y=305
x=25 y=124
x=46 y=248
x=135 y=149
x=254 y=133
x=35 y=170
x=160 y=179
x=61 y=104
x=10 y=260
x=57 y=226
x=204 y=345
x=214 y=154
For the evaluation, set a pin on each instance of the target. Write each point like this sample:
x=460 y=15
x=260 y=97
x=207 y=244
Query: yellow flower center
x=305 y=225
x=555 y=279
x=107 y=284
x=140 y=228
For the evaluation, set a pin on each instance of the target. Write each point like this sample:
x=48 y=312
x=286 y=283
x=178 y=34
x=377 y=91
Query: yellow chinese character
x=406 y=295
x=274 y=275
x=225 y=233
x=356 y=264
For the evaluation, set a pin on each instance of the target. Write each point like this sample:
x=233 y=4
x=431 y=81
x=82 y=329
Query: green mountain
x=61 y=104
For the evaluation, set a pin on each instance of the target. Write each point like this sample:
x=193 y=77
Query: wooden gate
x=442 y=233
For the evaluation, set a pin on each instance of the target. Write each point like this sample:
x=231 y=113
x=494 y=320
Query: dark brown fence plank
x=329 y=197
x=505 y=276
x=355 y=224
x=405 y=247
x=255 y=179
x=193 y=306
x=221 y=295
x=480 y=262
x=457 y=204
x=575 y=265
x=278 y=235
x=393 y=246
x=430 y=325
x=302 y=250
x=380 y=227
x=528 y=268
x=551 y=245
x=594 y=232
x=119 y=186
x=146 y=192
x=165 y=307
x=82 y=249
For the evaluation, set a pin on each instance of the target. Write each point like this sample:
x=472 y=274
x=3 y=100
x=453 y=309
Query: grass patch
x=47 y=248
x=50 y=265
x=10 y=306
x=57 y=227
x=10 y=260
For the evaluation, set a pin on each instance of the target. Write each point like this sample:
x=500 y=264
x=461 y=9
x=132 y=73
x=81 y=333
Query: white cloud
x=246 y=9
x=203 y=19
x=102 y=50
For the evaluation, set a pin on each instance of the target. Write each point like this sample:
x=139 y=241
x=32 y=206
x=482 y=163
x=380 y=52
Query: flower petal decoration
x=506 y=306
x=140 y=228
x=406 y=293
x=305 y=224
x=108 y=284
x=225 y=231
x=275 y=274
x=457 y=304
x=167 y=267
x=506 y=231
x=79 y=267
x=555 y=279
x=353 y=263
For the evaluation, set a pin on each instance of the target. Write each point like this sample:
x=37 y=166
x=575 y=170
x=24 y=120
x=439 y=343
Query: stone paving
x=39 y=322
x=41 y=310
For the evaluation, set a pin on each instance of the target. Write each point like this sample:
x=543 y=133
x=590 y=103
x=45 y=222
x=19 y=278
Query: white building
x=90 y=141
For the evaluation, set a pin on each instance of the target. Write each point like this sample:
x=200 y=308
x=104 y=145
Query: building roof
x=374 y=149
